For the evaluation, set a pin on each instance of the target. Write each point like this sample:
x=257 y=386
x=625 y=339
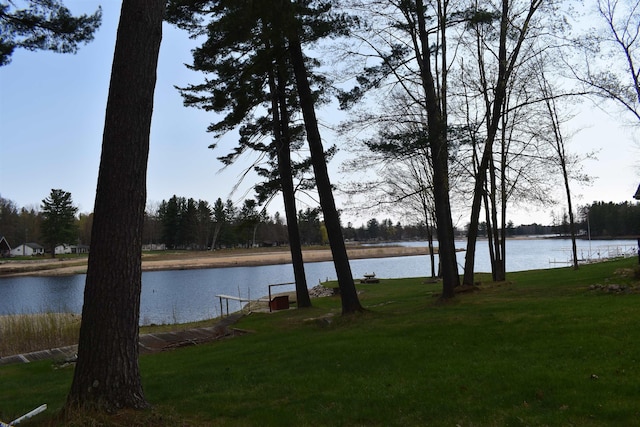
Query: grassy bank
x=542 y=349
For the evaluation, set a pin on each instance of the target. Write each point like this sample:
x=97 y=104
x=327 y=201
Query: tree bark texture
x=283 y=146
x=439 y=148
x=107 y=376
x=572 y=225
x=349 y=296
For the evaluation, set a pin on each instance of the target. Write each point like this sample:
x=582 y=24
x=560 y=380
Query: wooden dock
x=270 y=300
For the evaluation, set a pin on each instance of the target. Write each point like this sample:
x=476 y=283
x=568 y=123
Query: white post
x=36 y=411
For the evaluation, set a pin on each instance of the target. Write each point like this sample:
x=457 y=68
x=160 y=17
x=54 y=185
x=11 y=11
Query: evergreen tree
x=59 y=224
x=309 y=225
x=373 y=227
x=294 y=31
x=248 y=221
x=170 y=213
x=219 y=221
x=107 y=374
x=243 y=51
x=230 y=217
x=44 y=25
x=250 y=43
x=10 y=225
x=608 y=219
x=189 y=224
x=203 y=224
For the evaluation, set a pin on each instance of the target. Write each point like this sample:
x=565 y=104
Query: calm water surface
x=190 y=295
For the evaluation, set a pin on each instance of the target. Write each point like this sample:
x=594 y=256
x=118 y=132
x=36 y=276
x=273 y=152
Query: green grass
x=539 y=349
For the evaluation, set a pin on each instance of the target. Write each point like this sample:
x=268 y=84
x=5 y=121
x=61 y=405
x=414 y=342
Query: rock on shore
x=321 y=291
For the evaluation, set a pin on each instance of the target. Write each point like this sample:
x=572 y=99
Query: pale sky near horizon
x=52 y=115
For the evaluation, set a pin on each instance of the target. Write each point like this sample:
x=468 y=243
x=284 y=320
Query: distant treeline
x=600 y=219
x=612 y=219
x=181 y=223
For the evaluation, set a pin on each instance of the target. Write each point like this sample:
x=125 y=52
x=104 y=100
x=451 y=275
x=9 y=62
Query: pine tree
x=59 y=224
x=107 y=375
x=243 y=52
x=44 y=25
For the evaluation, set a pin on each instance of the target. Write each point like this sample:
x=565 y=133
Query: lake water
x=190 y=295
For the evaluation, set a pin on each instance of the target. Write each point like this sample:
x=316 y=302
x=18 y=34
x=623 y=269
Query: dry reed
x=24 y=333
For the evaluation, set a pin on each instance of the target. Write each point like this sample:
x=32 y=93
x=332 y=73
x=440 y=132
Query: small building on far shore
x=71 y=249
x=80 y=249
x=62 y=249
x=28 y=249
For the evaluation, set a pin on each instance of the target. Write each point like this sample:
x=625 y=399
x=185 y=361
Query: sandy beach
x=207 y=259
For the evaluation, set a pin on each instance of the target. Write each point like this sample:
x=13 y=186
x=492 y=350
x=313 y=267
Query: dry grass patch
x=24 y=333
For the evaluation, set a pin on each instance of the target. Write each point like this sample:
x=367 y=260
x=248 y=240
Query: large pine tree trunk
x=348 y=293
x=107 y=376
x=283 y=145
x=297 y=261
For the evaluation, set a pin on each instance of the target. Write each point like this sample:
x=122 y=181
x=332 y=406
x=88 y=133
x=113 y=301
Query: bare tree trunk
x=559 y=147
x=432 y=255
x=572 y=226
x=489 y=230
x=506 y=65
x=498 y=260
x=488 y=149
x=503 y=201
x=216 y=231
x=438 y=144
x=283 y=146
x=107 y=376
x=348 y=294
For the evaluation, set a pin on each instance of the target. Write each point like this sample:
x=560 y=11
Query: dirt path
x=209 y=259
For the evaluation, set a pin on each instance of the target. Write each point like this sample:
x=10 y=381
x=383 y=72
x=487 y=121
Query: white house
x=62 y=249
x=27 y=249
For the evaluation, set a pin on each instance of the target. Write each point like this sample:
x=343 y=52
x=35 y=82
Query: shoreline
x=201 y=260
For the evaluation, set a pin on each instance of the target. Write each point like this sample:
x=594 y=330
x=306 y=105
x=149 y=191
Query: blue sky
x=52 y=116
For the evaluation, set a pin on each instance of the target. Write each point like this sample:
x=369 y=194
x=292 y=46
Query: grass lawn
x=540 y=349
